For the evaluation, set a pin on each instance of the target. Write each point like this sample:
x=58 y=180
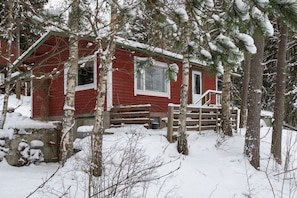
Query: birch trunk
x=244 y=91
x=9 y=66
x=182 y=143
x=280 y=87
x=226 y=122
x=69 y=106
x=106 y=58
x=252 y=136
x=98 y=129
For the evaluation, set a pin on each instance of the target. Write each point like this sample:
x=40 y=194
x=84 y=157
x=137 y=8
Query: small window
x=150 y=77
x=86 y=74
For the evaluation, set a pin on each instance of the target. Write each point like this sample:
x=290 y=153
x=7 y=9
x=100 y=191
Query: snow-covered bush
x=30 y=155
x=173 y=71
x=3 y=150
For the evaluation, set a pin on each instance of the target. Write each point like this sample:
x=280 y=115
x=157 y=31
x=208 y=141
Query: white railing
x=207 y=95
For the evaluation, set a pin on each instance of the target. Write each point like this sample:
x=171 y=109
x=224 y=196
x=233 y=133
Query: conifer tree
x=286 y=12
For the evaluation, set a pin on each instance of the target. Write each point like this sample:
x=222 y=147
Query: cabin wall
x=48 y=96
x=50 y=62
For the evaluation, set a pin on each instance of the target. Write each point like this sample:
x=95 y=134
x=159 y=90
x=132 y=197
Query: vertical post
x=200 y=118
x=217 y=120
x=237 y=120
x=170 y=123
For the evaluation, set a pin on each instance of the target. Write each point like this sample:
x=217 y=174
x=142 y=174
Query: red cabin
x=130 y=82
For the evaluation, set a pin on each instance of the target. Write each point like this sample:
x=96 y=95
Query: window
x=86 y=74
x=150 y=77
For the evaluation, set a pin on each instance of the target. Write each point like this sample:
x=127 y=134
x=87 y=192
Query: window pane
x=197 y=84
x=85 y=74
x=139 y=81
x=155 y=79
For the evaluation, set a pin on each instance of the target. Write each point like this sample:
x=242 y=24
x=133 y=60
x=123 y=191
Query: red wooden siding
x=123 y=83
x=53 y=55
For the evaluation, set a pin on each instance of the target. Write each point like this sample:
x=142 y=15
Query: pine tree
x=286 y=11
x=252 y=136
x=280 y=95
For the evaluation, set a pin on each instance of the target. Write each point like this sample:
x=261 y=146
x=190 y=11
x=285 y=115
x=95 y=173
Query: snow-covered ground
x=214 y=168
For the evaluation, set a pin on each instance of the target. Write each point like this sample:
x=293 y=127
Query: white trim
x=109 y=97
x=166 y=94
x=2 y=78
x=218 y=96
x=31 y=94
x=194 y=99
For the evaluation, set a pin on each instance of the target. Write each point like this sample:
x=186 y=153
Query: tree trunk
x=226 y=90
x=106 y=58
x=182 y=143
x=244 y=91
x=252 y=136
x=9 y=66
x=98 y=129
x=280 y=88
x=69 y=107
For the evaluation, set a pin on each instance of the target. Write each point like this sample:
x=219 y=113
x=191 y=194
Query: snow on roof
x=137 y=45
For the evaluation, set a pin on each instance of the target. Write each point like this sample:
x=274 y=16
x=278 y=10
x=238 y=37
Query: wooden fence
x=199 y=118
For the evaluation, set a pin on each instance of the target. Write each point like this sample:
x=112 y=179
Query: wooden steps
x=130 y=114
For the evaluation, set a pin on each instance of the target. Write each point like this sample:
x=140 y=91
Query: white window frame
x=150 y=92
x=2 y=78
x=86 y=86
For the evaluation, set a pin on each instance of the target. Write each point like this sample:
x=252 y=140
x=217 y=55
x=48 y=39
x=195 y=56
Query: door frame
x=193 y=86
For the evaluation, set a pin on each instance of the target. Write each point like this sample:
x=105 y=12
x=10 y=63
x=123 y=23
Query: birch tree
x=71 y=68
x=8 y=56
x=105 y=32
x=244 y=90
x=182 y=143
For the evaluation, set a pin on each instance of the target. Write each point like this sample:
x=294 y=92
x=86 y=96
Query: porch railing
x=199 y=118
x=208 y=98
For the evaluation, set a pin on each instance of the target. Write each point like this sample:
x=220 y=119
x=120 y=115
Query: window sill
x=152 y=93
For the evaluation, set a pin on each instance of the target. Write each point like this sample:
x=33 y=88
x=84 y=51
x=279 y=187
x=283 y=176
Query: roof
x=119 y=41
x=37 y=44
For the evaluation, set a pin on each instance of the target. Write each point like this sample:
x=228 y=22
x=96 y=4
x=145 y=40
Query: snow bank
x=20 y=118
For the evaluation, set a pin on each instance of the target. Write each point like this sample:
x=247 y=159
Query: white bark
x=106 y=58
x=69 y=107
x=226 y=122
x=182 y=145
x=10 y=28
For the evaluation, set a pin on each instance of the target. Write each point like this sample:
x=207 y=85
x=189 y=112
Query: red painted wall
x=123 y=83
x=51 y=57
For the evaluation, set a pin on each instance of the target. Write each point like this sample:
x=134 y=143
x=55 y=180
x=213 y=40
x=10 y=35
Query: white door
x=196 y=87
